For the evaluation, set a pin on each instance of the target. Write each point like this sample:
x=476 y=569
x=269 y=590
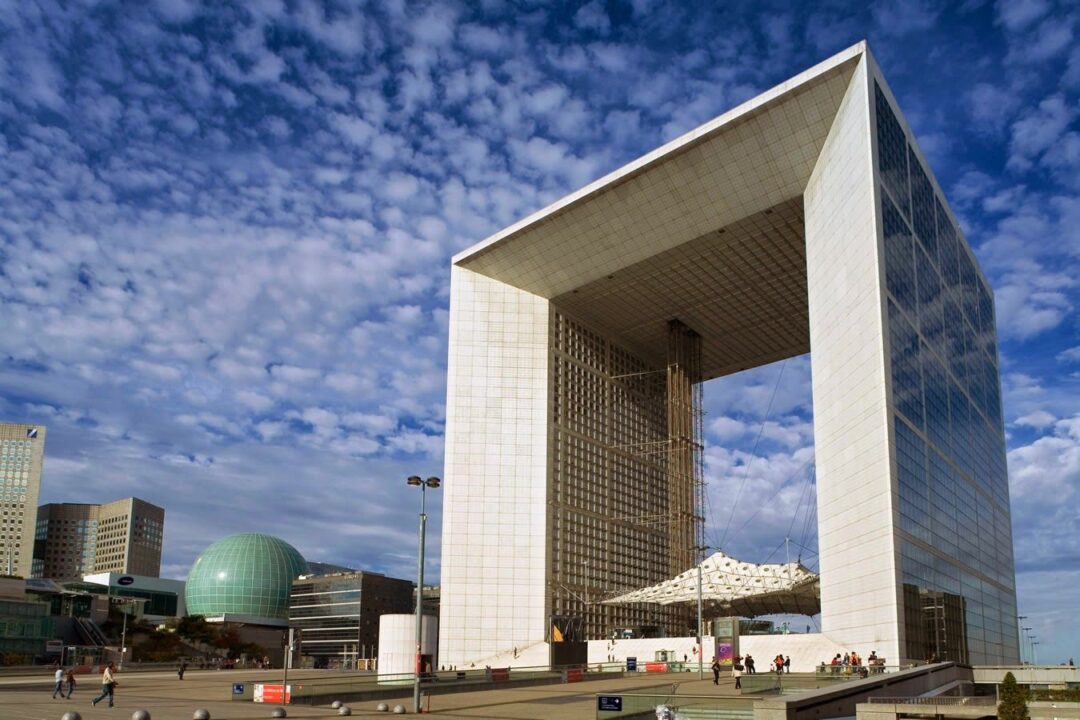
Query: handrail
x=946 y=700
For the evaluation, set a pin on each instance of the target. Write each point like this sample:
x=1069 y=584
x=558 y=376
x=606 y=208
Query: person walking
x=736 y=672
x=180 y=670
x=70 y=678
x=58 y=686
x=787 y=664
x=108 y=686
x=715 y=671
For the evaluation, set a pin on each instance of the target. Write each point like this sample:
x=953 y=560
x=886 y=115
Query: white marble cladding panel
x=494 y=557
x=855 y=527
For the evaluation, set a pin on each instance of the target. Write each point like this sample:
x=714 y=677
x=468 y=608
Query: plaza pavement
x=166 y=698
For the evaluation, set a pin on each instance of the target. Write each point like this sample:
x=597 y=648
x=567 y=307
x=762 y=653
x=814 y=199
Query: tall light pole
x=1020 y=624
x=432 y=482
x=701 y=549
x=1035 y=652
x=1027 y=637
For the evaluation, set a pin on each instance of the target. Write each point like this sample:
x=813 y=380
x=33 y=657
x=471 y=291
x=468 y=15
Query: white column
x=495 y=535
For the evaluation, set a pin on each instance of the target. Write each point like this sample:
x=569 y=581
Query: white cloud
x=1039 y=419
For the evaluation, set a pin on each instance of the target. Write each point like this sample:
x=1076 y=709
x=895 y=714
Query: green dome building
x=248 y=575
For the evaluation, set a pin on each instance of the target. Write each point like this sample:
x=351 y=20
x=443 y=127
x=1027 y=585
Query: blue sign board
x=238 y=688
x=609 y=702
x=631 y=664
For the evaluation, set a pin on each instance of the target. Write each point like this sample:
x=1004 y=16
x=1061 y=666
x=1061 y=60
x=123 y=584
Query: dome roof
x=246 y=574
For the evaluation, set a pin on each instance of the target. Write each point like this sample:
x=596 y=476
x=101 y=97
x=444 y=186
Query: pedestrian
x=70 y=677
x=108 y=686
x=787 y=664
x=715 y=671
x=180 y=670
x=58 y=686
x=750 y=669
x=736 y=672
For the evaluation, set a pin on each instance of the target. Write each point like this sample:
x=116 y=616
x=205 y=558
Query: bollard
x=382 y=707
x=201 y=714
x=344 y=710
x=71 y=715
x=399 y=709
x=140 y=715
x=279 y=712
x=336 y=704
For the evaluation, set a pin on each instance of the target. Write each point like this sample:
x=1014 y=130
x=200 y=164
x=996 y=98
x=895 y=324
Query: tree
x=1013 y=705
x=196 y=629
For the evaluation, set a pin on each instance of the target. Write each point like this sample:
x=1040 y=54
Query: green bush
x=1070 y=695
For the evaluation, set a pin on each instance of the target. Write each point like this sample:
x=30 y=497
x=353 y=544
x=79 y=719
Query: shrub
x=1013 y=705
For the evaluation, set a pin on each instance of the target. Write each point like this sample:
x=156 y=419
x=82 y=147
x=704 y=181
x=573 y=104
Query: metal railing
x=642 y=702
x=943 y=700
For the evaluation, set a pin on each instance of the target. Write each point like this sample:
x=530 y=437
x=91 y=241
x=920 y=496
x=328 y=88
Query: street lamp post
x=701 y=549
x=123 y=641
x=1035 y=652
x=1027 y=637
x=431 y=482
x=1020 y=624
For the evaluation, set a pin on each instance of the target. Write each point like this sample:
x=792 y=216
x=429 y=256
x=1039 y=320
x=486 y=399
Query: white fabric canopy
x=737 y=588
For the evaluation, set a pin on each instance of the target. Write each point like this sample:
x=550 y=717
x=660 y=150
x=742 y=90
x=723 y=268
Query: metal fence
x=943 y=700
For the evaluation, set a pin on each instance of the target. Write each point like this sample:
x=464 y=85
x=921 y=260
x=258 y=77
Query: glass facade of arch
x=954 y=530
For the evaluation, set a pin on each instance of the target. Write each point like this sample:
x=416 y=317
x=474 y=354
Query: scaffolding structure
x=685 y=457
x=626 y=475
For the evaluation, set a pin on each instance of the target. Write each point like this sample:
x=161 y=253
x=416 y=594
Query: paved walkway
x=170 y=699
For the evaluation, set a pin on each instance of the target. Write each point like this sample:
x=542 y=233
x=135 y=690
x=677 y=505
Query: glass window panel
x=892 y=152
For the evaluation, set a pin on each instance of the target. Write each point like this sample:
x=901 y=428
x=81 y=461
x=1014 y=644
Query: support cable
x=753 y=453
x=776 y=492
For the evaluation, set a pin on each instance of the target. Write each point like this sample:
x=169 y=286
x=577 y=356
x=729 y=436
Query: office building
x=22 y=451
x=77 y=539
x=806 y=220
x=338 y=615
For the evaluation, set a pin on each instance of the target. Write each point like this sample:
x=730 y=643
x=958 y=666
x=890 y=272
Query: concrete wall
x=397 y=643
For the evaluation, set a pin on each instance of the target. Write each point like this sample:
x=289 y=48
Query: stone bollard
x=71 y=715
x=201 y=714
x=399 y=709
x=336 y=704
x=344 y=710
x=382 y=707
x=140 y=715
x=279 y=712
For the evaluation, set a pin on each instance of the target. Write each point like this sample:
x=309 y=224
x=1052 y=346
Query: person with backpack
x=715 y=671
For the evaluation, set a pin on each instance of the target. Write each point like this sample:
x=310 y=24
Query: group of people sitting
x=852 y=662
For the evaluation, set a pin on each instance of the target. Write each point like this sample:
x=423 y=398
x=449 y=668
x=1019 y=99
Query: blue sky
x=225 y=234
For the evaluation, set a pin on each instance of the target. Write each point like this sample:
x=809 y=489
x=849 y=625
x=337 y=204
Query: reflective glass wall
x=953 y=525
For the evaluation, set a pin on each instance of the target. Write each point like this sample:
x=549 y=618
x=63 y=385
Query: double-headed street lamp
x=432 y=482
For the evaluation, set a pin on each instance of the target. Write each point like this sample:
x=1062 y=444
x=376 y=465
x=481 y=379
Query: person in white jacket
x=108 y=685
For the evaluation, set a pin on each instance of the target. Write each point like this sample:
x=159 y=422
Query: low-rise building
x=338 y=615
